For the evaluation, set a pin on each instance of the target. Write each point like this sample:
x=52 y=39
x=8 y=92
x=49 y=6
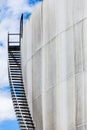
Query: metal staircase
x=16 y=82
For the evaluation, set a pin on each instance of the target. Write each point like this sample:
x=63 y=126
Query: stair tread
x=17 y=89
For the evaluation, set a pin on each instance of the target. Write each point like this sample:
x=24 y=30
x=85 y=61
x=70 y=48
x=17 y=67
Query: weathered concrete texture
x=54 y=64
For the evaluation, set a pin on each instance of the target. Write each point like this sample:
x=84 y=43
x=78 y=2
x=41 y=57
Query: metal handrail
x=16 y=82
x=20 y=32
x=21 y=27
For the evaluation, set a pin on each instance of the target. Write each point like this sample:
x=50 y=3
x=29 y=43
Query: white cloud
x=18 y=6
x=3 y=67
x=10 y=12
x=6 y=107
x=2 y=2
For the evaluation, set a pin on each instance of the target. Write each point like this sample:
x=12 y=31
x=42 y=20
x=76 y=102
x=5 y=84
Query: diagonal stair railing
x=16 y=81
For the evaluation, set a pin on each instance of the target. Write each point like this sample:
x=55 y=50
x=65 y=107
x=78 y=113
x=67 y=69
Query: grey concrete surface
x=54 y=64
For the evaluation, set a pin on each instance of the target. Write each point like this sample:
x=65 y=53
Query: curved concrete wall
x=54 y=64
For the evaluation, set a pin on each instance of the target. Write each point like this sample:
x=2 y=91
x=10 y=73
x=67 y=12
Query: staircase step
x=12 y=48
x=15 y=69
x=27 y=127
x=14 y=63
x=15 y=54
x=24 y=108
x=15 y=51
x=17 y=89
x=27 y=117
x=11 y=53
x=14 y=57
x=17 y=82
x=23 y=113
x=30 y=123
x=18 y=98
x=19 y=95
x=22 y=104
x=15 y=74
x=13 y=66
x=19 y=92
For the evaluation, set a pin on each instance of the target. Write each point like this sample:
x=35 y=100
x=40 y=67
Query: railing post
x=21 y=27
x=8 y=39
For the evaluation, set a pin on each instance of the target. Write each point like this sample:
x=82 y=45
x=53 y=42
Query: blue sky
x=10 y=13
